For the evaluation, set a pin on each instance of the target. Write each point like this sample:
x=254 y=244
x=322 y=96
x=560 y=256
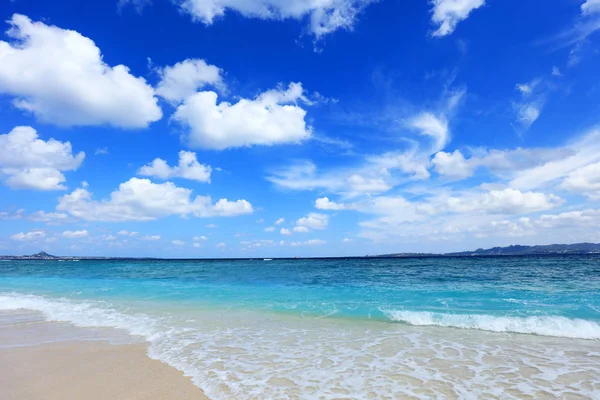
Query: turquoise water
x=353 y=328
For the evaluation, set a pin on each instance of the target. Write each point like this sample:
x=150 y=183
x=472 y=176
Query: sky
x=283 y=128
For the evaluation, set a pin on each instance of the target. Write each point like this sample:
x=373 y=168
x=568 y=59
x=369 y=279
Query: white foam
x=537 y=325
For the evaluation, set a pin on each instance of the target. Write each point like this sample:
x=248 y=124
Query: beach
x=89 y=370
x=80 y=369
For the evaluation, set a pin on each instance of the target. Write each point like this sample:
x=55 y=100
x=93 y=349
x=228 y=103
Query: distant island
x=42 y=255
x=515 y=250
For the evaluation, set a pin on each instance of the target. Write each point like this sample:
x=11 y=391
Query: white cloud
x=507 y=201
x=60 y=76
x=27 y=162
x=260 y=221
x=304 y=176
x=188 y=168
x=285 y=232
x=142 y=200
x=178 y=242
x=448 y=13
x=270 y=229
x=312 y=242
x=504 y=163
x=301 y=229
x=183 y=79
x=452 y=165
x=590 y=7
x=75 y=234
x=38 y=216
x=272 y=118
x=359 y=183
x=221 y=245
x=433 y=126
x=101 y=151
x=29 y=236
x=127 y=233
x=324 y=203
x=212 y=226
x=197 y=245
x=200 y=238
x=347 y=240
x=253 y=244
x=527 y=113
x=138 y=5
x=51 y=217
x=314 y=221
x=556 y=71
x=151 y=238
x=529 y=109
x=325 y=16
x=578 y=154
x=585 y=180
x=280 y=221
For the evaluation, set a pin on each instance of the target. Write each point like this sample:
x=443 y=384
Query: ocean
x=423 y=328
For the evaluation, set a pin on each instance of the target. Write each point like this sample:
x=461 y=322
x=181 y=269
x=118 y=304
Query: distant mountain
x=517 y=250
x=42 y=255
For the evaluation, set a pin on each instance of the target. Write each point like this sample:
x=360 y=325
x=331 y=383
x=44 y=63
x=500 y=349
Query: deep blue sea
x=505 y=327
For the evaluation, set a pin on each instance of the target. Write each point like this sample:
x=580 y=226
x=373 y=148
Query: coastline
x=93 y=370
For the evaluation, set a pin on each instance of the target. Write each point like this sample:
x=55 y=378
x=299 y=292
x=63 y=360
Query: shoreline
x=93 y=370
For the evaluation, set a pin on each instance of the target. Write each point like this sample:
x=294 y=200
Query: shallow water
x=400 y=328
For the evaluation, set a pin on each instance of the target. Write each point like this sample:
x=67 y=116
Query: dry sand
x=91 y=370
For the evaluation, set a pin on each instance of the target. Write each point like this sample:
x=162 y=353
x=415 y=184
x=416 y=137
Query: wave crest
x=536 y=325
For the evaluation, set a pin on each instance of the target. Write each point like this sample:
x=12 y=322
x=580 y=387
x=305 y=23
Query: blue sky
x=261 y=128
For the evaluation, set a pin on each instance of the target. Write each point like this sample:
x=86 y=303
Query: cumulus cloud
x=27 y=162
x=274 y=117
x=127 y=233
x=75 y=234
x=324 y=203
x=285 y=232
x=29 y=236
x=270 y=229
x=60 y=76
x=301 y=229
x=143 y=200
x=312 y=242
x=280 y=221
x=178 y=242
x=183 y=79
x=325 y=16
x=452 y=165
x=314 y=221
x=448 y=13
x=188 y=168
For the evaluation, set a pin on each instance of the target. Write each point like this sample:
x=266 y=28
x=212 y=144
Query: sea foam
x=537 y=325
